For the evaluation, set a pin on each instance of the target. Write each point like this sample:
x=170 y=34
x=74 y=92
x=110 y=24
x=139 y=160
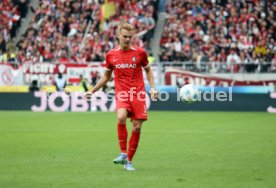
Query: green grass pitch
x=177 y=149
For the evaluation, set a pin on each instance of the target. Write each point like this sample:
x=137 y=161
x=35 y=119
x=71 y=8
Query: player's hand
x=87 y=96
x=153 y=94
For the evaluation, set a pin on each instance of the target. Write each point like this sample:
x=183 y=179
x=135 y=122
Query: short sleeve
x=108 y=65
x=145 y=61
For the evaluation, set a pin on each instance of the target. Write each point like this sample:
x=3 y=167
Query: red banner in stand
x=174 y=76
x=45 y=72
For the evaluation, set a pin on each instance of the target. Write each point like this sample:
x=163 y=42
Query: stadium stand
x=236 y=32
x=232 y=36
x=12 y=12
x=76 y=31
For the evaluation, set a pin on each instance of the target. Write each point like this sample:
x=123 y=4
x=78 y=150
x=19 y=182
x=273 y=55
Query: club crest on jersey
x=134 y=59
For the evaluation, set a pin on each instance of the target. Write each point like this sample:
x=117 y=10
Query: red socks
x=133 y=144
x=122 y=137
x=133 y=141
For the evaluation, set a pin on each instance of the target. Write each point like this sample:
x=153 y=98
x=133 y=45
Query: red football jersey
x=127 y=66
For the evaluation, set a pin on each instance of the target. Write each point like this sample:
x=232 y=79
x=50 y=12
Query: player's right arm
x=104 y=79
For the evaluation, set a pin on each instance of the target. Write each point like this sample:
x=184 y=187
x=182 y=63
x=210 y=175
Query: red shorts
x=136 y=108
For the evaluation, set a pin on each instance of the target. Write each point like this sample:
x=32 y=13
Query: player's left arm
x=153 y=92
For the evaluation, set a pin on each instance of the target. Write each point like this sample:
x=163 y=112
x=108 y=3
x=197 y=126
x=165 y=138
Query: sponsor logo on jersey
x=123 y=66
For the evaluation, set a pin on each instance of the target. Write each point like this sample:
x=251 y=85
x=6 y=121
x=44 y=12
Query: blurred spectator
x=233 y=61
x=233 y=58
x=34 y=86
x=23 y=8
x=60 y=82
x=151 y=58
x=273 y=64
x=95 y=77
x=260 y=48
x=83 y=84
x=1 y=57
x=2 y=44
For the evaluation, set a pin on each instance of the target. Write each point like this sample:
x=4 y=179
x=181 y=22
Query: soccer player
x=127 y=61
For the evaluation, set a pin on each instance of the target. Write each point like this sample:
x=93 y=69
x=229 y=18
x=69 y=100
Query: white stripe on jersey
x=147 y=66
x=107 y=69
x=133 y=48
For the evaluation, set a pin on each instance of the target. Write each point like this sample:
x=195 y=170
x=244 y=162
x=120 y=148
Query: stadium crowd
x=76 y=31
x=235 y=32
x=200 y=31
x=12 y=12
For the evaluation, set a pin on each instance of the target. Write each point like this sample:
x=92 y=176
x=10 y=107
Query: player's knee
x=136 y=129
x=121 y=119
x=136 y=126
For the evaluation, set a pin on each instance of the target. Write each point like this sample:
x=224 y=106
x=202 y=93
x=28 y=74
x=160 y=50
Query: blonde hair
x=125 y=26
